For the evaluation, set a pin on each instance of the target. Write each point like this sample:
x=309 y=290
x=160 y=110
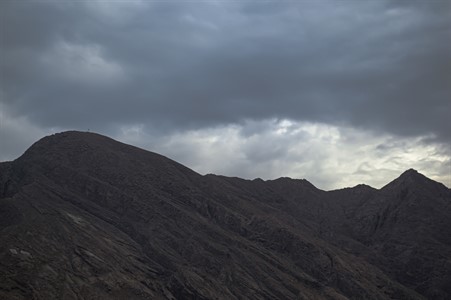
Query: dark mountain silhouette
x=85 y=217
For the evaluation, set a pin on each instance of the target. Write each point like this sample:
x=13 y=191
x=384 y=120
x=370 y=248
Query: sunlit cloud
x=329 y=156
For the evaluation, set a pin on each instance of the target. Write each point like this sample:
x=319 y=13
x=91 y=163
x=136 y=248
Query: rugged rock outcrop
x=85 y=217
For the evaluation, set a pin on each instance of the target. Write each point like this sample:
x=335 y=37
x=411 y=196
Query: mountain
x=85 y=217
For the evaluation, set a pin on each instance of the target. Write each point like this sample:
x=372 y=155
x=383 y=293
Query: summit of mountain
x=83 y=216
x=414 y=180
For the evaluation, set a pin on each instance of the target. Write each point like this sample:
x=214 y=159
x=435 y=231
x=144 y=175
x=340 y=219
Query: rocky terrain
x=85 y=217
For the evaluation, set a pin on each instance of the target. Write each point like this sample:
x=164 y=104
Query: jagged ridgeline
x=85 y=217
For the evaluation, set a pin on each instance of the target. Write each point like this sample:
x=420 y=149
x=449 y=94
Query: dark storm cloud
x=383 y=66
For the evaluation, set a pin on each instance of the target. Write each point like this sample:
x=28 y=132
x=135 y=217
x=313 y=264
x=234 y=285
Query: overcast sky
x=337 y=92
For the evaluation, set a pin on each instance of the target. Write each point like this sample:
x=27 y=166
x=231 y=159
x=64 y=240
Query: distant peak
x=288 y=180
x=363 y=186
x=410 y=172
x=410 y=178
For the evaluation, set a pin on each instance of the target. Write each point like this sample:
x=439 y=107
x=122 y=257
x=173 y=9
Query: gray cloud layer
x=381 y=66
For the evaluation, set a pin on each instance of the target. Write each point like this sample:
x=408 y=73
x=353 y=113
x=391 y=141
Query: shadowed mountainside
x=85 y=217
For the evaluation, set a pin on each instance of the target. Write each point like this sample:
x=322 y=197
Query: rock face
x=85 y=217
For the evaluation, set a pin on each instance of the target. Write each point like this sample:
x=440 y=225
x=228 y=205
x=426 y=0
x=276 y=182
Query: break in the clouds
x=362 y=89
x=330 y=157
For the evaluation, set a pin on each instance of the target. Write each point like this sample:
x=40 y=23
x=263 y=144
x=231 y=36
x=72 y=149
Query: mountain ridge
x=84 y=216
x=87 y=136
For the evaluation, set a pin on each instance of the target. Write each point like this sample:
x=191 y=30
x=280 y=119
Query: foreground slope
x=83 y=216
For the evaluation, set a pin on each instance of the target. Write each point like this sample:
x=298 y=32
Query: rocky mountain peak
x=414 y=180
x=411 y=173
x=84 y=216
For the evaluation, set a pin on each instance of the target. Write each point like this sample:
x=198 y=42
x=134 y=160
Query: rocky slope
x=85 y=217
